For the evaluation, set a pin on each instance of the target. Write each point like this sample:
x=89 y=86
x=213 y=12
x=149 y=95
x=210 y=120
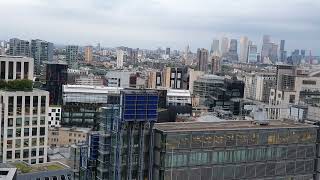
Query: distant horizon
x=150 y=24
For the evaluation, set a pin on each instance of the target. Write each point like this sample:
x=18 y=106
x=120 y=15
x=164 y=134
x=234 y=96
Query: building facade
x=54 y=114
x=18 y=47
x=41 y=52
x=235 y=150
x=88 y=56
x=64 y=137
x=72 y=55
x=202 y=57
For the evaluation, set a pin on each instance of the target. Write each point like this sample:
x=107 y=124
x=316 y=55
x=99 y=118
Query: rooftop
x=178 y=92
x=23 y=168
x=226 y=125
x=90 y=89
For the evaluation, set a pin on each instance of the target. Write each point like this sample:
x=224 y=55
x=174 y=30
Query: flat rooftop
x=50 y=166
x=226 y=125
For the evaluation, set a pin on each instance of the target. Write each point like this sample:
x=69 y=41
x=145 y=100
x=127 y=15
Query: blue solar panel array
x=140 y=107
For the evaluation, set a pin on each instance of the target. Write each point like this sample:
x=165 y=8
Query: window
x=43 y=104
x=26 y=143
x=34 y=141
x=27 y=105
x=40 y=160
x=18 y=132
x=10 y=133
x=26 y=70
x=42 y=131
x=10 y=106
x=292 y=98
x=41 y=151
x=26 y=153
x=33 y=161
x=18 y=143
x=35 y=105
x=34 y=120
x=27 y=121
x=3 y=69
x=42 y=120
x=41 y=141
x=19 y=105
x=10 y=122
x=10 y=73
x=54 y=178
x=18 y=122
x=309 y=82
x=33 y=152
x=34 y=131
x=17 y=154
x=53 y=110
x=9 y=144
x=18 y=70
x=26 y=131
x=9 y=154
x=62 y=177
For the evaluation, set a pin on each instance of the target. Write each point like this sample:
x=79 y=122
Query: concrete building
x=16 y=67
x=18 y=47
x=233 y=50
x=88 y=54
x=41 y=52
x=283 y=53
x=7 y=173
x=54 y=114
x=72 y=55
x=173 y=77
x=118 y=78
x=178 y=97
x=65 y=137
x=120 y=58
x=292 y=88
x=24 y=114
x=168 y=51
x=90 y=80
x=215 y=64
x=202 y=57
x=193 y=75
x=244 y=43
x=235 y=150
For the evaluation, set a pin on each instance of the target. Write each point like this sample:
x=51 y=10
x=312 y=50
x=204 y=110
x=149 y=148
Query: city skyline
x=163 y=23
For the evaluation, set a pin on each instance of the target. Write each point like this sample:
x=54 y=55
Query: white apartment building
x=54 y=114
x=24 y=115
x=120 y=57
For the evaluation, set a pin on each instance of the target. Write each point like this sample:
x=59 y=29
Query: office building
x=215 y=48
x=215 y=64
x=81 y=104
x=202 y=57
x=235 y=150
x=168 y=51
x=90 y=80
x=24 y=113
x=18 y=47
x=204 y=86
x=45 y=171
x=88 y=56
x=233 y=50
x=72 y=55
x=252 y=54
x=192 y=76
x=54 y=114
x=8 y=173
x=178 y=97
x=65 y=137
x=41 y=52
x=173 y=77
x=120 y=57
x=224 y=45
x=266 y=39
x=16 y=67
x=244 y=43
x=56 y=76
x=283 y=53
x=118 y=78
x=130 y=148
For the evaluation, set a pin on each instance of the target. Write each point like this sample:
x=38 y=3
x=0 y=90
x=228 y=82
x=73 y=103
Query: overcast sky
x=160 y=23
